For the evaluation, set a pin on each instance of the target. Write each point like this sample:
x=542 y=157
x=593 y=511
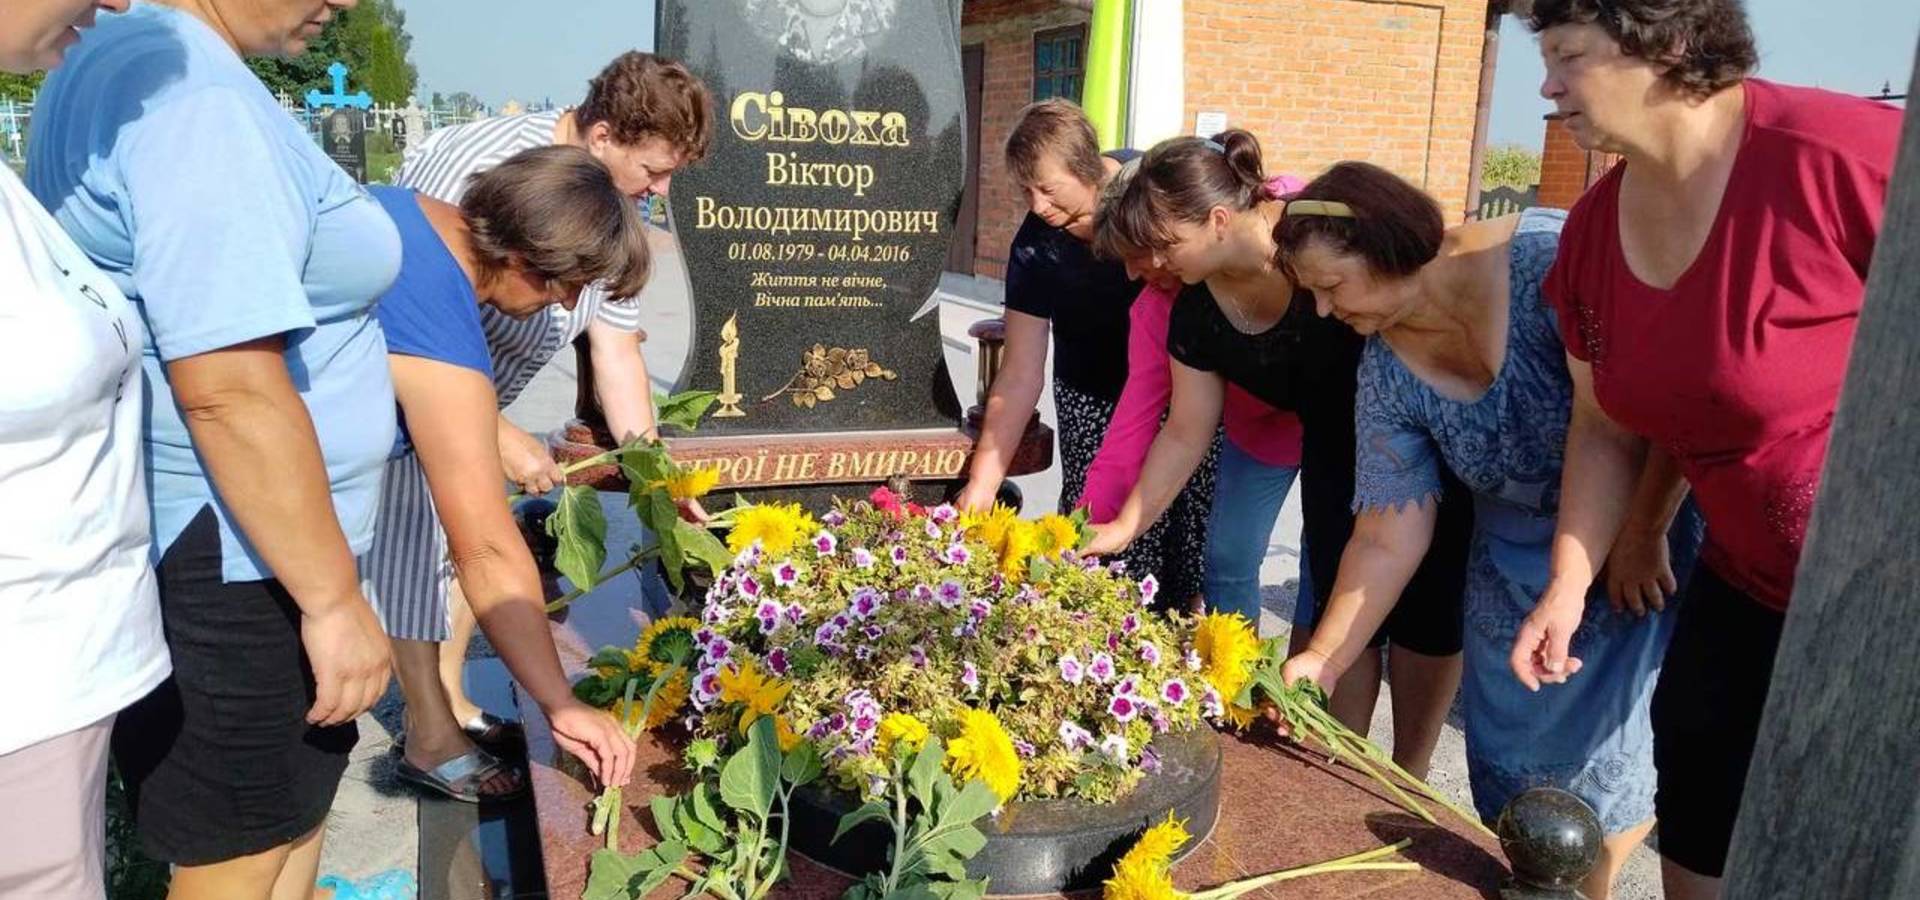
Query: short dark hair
x=1180 y=180
x=1054 y=128
x=1706 y=44
x=556 y=211
x=642 y=96
x=1395 y=226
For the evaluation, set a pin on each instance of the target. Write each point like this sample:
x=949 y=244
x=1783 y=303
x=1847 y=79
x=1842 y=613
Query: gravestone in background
x=814 y=235
x=343 y=134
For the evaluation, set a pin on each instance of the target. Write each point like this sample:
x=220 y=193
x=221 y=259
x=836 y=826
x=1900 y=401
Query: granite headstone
x=344 y=136
x=815 y=230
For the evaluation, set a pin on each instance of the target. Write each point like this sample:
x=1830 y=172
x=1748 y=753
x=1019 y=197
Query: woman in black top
x=1199 y=208
x=1056 y=285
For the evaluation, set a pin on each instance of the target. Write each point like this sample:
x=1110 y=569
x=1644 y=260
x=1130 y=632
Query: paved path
x=378 y=825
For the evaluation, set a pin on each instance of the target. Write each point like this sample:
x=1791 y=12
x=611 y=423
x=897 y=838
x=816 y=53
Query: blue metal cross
x=339 y=98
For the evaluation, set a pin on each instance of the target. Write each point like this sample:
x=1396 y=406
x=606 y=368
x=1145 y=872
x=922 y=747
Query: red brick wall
x=1005 y=28
x=1565 y=169
x=1319 y=81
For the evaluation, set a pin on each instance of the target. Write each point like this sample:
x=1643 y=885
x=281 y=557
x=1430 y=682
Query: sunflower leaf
x=581 y=529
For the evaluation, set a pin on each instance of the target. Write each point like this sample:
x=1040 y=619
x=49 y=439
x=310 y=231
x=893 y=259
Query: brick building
x=1395 y=82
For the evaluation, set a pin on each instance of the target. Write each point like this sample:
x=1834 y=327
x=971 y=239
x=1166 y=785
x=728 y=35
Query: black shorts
x=1429 y=618
x=219 y=760
x=1706 y=717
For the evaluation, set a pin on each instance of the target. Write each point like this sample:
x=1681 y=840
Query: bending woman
x=529 y=233
x=1202 y=209
x=1464 y=372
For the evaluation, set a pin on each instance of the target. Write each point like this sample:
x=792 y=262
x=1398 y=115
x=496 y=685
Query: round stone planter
x=1042 y=846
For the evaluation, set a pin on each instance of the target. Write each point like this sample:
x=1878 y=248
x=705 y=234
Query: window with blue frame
x=1060 y=62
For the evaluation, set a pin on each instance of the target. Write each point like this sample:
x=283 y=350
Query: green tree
x=1510 y=166
x=372 y=41
x=20 y=87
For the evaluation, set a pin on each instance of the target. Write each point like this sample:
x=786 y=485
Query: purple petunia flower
x=719 y=648
x=943 y=513
x=827 y=634
x=1101 y=669
x=841 y=621
x=917 y=655
x=1161 y=723
x=1130 y=624
x=956 y=555
x=769 y=616
x=1027 y=596
x=1149 y=586
x=796 y=613
x=1070 y=669
x=1075 y=737
x=777 y=661
x=1123 y=708
x=932 y=528
x=1023 y=748
x=866 y=602
x=922 y=593
x=1174 y=692
x=970 y=677
x=1150 y=653
x=1149 y=761
x=951 y=593
x=834 y=518
x=703 y=637
x=1210 y=703
x=1113 y=642
x=748 y=558
x=825 y=543
x=862 y=557
x=706 y=688
x=873 y=632
x=1129 y=686
x=898 y=554
x=786 y=574
x=1115 y=747
x=749 y=587
x=863 y=652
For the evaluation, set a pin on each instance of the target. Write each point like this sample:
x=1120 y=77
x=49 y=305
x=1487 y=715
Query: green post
x=1105 y=95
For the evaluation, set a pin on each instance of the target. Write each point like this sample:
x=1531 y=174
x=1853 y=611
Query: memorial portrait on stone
x=815 y=230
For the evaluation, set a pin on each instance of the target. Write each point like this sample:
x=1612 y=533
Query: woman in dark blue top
x=529 y=233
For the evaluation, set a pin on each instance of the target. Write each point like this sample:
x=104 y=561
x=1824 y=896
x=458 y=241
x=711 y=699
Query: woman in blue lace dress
x=1464 y=368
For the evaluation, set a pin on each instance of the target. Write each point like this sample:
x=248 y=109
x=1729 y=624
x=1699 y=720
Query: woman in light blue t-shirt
x=254 y=262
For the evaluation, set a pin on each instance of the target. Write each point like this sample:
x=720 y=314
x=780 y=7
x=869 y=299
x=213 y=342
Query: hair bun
x=1242 y=150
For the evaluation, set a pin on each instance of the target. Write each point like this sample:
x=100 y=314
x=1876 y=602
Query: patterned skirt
x=1174 y=549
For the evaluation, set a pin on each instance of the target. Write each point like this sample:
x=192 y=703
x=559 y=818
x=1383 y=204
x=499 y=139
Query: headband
x=1329 y=208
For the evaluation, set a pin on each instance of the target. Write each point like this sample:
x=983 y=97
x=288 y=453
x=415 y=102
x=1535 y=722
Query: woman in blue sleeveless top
x=1464 y=369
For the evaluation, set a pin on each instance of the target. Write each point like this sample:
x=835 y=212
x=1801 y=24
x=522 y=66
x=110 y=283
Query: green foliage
x=1510 y=166
x=581 y=528
x=727 y=835
x=933 y=829
x=130 y=874
x=20 y=87
x=371 y=39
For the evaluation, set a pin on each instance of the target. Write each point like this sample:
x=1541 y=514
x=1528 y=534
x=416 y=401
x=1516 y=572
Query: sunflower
x=760 y=694
x=689 y=482
x=665 y=643
x=990 y=528
x=667 y=702
x=777 y=526
x=1142 y=874
x=903 y=729
x=1057 y=533
x=1240 y=716
x=1228 y=649
x=1022 y=541
x=984 y=751
x=784 y=733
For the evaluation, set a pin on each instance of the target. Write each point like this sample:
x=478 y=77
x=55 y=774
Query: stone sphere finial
x=1552 y=841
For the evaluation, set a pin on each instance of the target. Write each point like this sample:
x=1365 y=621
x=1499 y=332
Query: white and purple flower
x=932 y=528
x=866 y=602
x=1149 y=587
x=1174 y=692
x=956 y=554
x=1193 y=660
x=1210 y=703
x=951 y=593
x=1130 y=624
x=1071 y=671
x=1075 y=737
x=834 y=518
x=1129 y=686
x=749 y=587
x=1101 y=669
x=863 y=558
x=943 y=513
x=898 y=554
x=786 y=574
x=917 y=655
x=769 y=616
x=1115 y=747
x=825 y=543
x=1150 y=653
x=970 y=677
x=1123 y=708
x=777 y=661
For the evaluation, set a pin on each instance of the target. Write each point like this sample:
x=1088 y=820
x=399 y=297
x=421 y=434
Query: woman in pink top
x=1707 y=290
x=1259 y=459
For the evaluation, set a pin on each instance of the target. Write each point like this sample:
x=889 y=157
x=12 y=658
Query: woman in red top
x=1707 y=291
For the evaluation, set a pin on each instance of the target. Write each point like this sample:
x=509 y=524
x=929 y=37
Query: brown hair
x=1395 y=226
x=1705 y=44
x=1057 y=129
x=641 y=96
x=556 y=211
x=1180 y=180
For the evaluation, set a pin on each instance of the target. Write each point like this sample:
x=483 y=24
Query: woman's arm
x=450 y=413
x=1596 y=484
x=620 y=381
x=252 y=430
x=1136 y=419
x=1010 y=403
x=1386 y=548
x=1638 y=571
x=1182 y=444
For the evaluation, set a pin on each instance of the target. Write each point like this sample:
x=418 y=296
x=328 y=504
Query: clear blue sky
x=498 y=50
x=1842 y=45
x=502 y=49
